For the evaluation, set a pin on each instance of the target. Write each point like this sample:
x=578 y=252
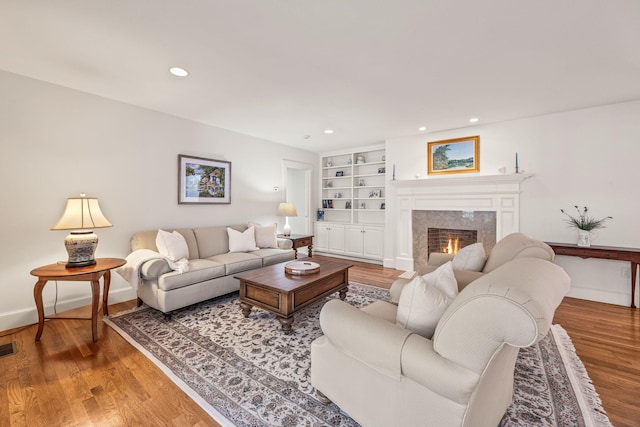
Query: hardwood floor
x=67 y=380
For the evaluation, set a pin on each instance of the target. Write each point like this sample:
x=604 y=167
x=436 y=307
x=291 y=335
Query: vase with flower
x=585 y=224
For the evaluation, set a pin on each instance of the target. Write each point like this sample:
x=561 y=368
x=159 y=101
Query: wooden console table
x=91 y=273
x=603 y=252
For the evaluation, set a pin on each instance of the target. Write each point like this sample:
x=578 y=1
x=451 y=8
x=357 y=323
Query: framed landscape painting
x=203 y=180
x=458 y=155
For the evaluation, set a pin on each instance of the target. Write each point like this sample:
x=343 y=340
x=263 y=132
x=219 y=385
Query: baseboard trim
x=29 y=316
x=352 y=258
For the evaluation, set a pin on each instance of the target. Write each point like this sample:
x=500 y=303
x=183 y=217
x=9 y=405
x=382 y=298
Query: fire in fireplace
x=449 y=240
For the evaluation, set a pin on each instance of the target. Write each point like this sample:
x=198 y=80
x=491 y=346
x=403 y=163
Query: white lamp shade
x=81 y=213
x=287 y=209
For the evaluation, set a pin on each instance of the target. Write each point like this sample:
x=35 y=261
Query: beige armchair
x=512 y=246
x=383 y=375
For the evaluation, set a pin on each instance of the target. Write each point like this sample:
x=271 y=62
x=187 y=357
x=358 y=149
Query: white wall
x=585 y=157
x=56 y=143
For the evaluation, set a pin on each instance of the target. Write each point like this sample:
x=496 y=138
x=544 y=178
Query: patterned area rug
x=246 y=372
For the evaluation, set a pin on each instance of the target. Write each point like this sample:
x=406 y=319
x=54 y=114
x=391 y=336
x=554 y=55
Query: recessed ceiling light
x=177 y=71
x=422 y=128
x=328 y=131
x=473 y=119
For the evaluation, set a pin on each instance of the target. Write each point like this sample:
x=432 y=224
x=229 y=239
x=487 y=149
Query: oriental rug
x=246 y=372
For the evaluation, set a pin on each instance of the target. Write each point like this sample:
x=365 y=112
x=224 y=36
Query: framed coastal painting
x=203 y=180
x=458 y=155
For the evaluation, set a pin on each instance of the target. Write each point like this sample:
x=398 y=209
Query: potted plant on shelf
x=585 y=224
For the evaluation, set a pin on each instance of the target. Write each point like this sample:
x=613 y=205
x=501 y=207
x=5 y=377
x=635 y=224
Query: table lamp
x=81 y=215
x=286 y=210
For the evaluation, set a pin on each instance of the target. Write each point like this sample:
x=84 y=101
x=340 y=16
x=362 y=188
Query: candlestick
x=393 y=172
x=516 y=162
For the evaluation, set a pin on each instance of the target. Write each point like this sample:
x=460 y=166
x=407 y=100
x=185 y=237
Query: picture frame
x=453 y=156
x=203 y=181
x=339 y=173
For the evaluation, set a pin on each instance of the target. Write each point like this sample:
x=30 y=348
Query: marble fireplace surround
x=493 y=193
x=484 y=222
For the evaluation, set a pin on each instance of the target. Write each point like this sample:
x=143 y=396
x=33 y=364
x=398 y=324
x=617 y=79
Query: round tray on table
x=301 y=268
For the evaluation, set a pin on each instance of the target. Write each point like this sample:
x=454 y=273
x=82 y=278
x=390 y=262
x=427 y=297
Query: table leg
x=634 y=267
x=95 y=302
x=105 y=292
x=37 y=295
x=295 y=253
x=246 y=309
x=286 y=323
x=343 y=293
x=310 y=248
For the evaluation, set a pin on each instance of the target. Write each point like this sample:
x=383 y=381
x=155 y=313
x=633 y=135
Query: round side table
x=91 y=273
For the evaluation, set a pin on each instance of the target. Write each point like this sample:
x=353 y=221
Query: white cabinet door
x=329 y=238
x=373 y=242
x=336 y=238
x=353 y=240
x=321 y=237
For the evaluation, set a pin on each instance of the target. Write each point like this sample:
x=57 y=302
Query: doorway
x=297 y=179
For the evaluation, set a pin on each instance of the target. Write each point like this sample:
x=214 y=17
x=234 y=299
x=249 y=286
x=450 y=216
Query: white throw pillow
x=470 y=258
x=266 y=235
x=242 y=242
x=172 y=245
x=424 y=300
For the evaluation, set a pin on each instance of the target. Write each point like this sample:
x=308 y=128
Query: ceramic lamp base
x=287 y=228
x=81 y=246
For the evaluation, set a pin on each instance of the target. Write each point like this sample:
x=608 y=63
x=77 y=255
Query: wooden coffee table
x=284 y=294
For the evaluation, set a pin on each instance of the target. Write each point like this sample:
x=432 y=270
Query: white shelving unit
x=353 y=202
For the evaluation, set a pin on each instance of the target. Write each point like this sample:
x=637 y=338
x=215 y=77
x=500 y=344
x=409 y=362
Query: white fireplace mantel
x=498 y=193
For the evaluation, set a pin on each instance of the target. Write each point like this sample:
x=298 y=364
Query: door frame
x=308 y=168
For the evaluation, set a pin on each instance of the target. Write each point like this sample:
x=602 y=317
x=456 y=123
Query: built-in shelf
x=352 y=231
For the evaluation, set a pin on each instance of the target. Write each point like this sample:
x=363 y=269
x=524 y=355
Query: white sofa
x=383 y=375
x=210 y=270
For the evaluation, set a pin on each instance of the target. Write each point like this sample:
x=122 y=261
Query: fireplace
x=432 y=230
x=469 y=196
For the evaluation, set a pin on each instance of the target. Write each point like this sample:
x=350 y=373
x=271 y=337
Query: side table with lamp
x=81 y=215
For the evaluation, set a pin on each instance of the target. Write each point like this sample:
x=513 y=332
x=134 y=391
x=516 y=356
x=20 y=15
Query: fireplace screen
x=449 y=240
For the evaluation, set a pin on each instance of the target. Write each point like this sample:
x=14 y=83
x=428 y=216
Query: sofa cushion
x=470 y=258
x=199 y=271
x=242 y=241
x=212 y=240
x=265 y=235
x=172 y=245
x=424 y=300
x=236 y=262
x=147 y=240
x=273 y=256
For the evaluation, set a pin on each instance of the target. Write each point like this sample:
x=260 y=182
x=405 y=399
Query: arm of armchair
x=394 y=351
x=373 y=341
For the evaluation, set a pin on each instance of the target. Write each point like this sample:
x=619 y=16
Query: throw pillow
x=471 y=258
x=266 y=235
x=242 y=241
x=172 y=245
x=424 y=300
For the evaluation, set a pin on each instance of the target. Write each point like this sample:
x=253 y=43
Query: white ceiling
x=369 y=69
